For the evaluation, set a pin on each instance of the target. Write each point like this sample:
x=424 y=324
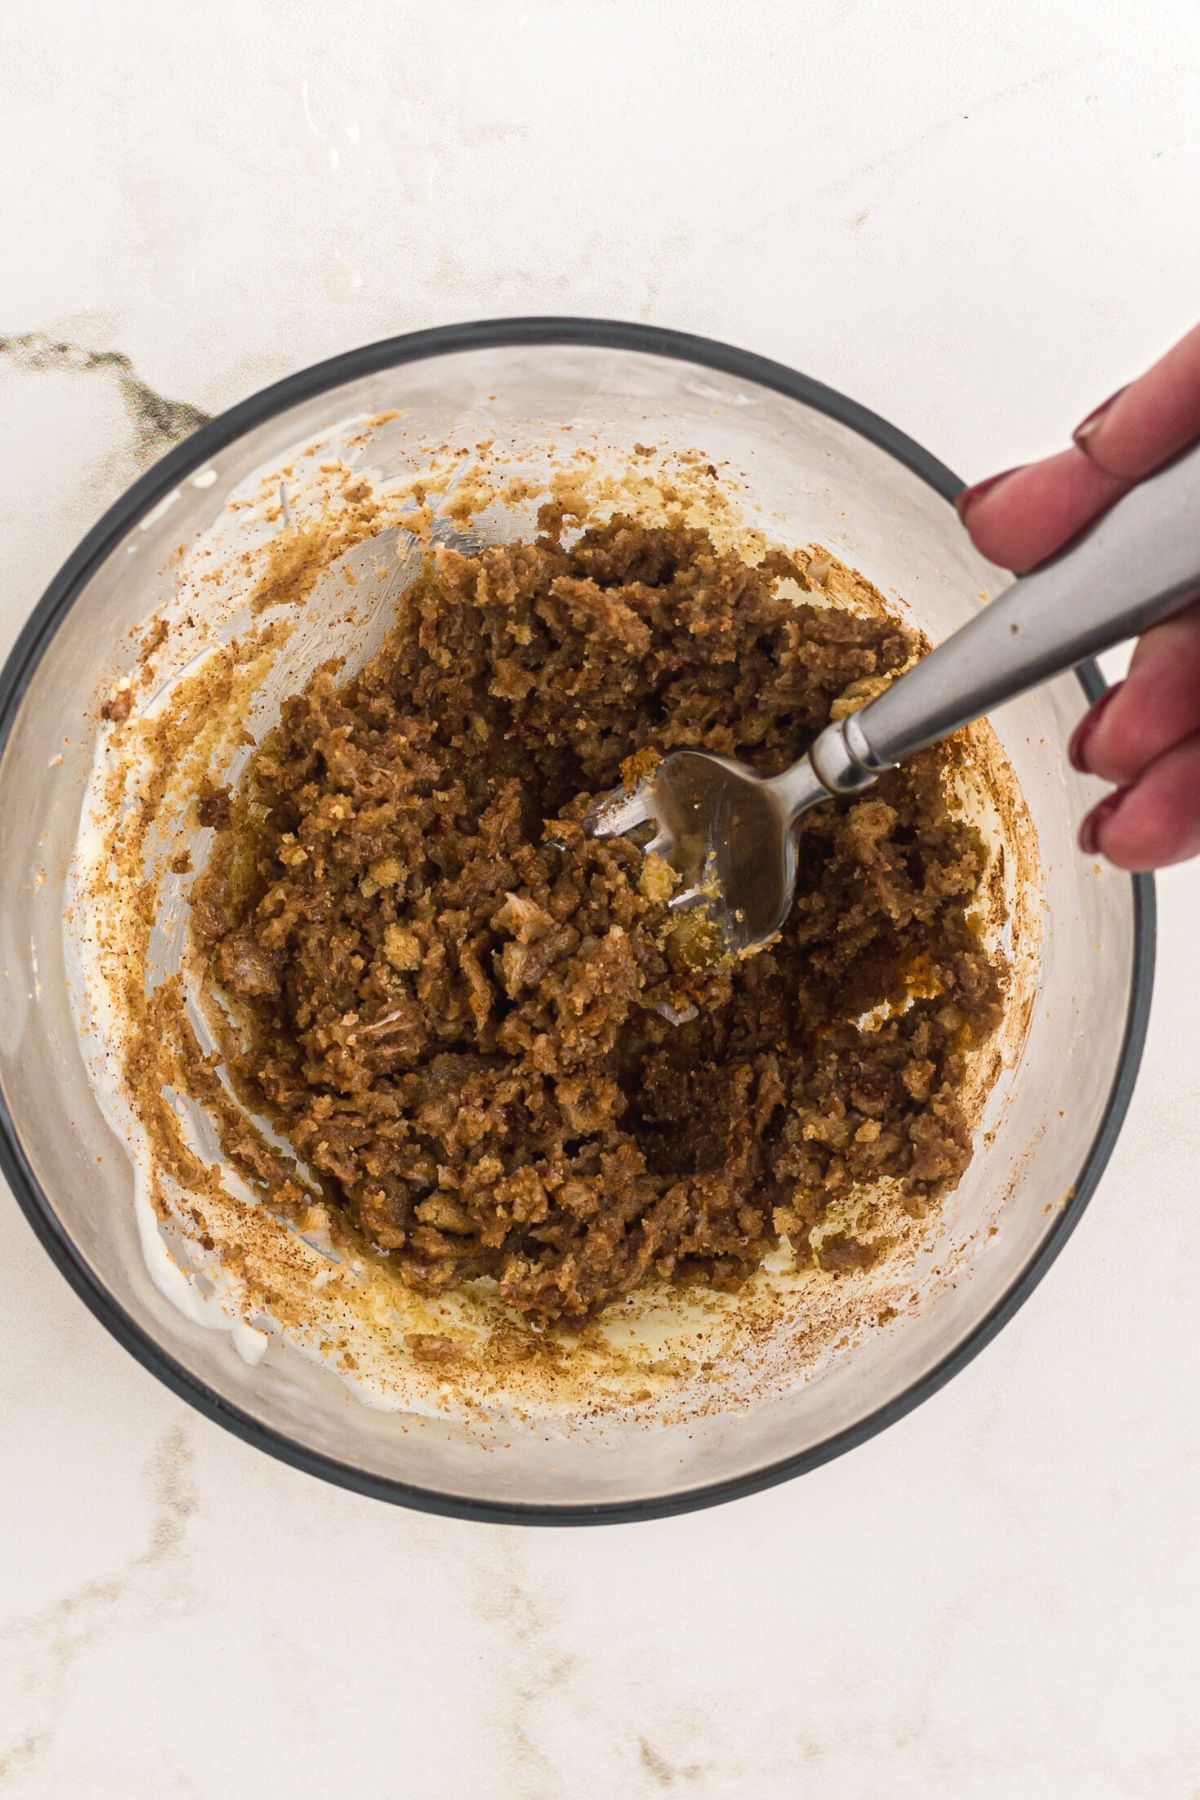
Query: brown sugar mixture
x=487 y=1035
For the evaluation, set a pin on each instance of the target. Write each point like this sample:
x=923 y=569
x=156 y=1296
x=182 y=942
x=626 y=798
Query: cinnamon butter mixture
x=487 y=1034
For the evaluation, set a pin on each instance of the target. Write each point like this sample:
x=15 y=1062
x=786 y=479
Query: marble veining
x=978 y=231
x=42 y=1648
x=158 y=422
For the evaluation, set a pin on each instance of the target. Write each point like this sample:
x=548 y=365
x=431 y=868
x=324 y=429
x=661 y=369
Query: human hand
x=1143 y=734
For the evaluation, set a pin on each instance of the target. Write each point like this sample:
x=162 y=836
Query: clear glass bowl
x=824 y=470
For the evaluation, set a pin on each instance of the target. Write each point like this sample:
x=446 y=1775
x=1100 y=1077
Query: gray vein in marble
x=539 y=1680
x=154 y=1585
x=533 y=1664
x=668 y=1774
x=656 y=1744
x=158 y=422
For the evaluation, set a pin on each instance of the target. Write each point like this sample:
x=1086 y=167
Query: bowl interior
x=813 y=477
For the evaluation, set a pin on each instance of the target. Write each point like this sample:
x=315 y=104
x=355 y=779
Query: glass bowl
x=824 y=470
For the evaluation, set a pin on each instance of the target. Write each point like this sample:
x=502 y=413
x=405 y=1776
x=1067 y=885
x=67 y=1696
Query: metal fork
x=729 y=834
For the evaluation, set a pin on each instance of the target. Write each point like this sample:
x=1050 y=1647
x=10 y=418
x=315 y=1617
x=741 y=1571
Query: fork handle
x=1137 y=564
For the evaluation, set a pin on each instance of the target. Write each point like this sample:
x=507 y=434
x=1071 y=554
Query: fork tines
x=616 y=813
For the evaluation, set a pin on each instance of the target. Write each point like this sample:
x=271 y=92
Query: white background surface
x=977 y=220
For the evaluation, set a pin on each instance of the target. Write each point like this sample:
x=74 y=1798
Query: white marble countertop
x=978 y=222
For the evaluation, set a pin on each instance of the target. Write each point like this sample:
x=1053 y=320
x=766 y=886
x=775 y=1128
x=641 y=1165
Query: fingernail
x=1086 y=426
x=1097 y=819
x=1077 y=749
x=964 y=501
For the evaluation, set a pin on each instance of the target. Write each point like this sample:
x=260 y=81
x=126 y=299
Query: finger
x=1156 y=706
x=1151 y=419
x=1019 y=518
x=1154 y=822
x=1026 y=515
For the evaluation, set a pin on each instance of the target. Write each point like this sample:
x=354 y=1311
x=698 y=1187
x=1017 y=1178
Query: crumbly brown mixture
x=486 y=1032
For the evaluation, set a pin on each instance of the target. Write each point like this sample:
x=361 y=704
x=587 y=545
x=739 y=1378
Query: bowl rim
x=139 y=499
